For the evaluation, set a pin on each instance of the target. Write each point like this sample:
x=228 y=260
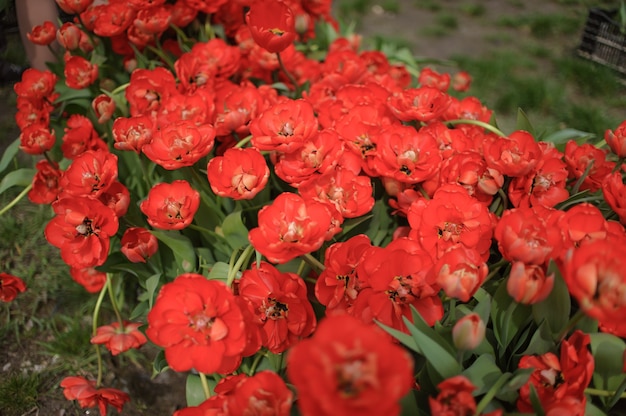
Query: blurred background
x=520 y=53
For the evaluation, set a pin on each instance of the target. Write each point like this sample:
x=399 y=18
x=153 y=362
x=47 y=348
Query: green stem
x=491 y=393
x=16 y=199
x=604 y=393
x=289 y=75
x=120 y=89
x=232 y=272
x=205 y=385
x=495 y=269
x=313 y=262
x=570 y=324
x=243 y=142
x=113 y=300
x=94 y=331
x=619 y=394
x=482 y=124
x=257 y=360
x=158 y=52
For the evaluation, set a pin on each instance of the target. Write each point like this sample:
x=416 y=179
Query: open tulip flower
x=310 y=228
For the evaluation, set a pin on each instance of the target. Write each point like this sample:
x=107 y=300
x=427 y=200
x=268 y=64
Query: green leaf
x=556 y=308
x=434 y=349
x=235 y=231
x=592 y=410
x=523 y=123
x=542 y=340
x=561 y=137
x=405 y=339
x=510 y=391
x=608 y=353
x=219 y=271
x=182 y=248
x=483 y=373
x=193 y=389
x=483 y=308
x=152 y=283
x=535 y=402
x=409 y=404
x=160 y=363
x=139 y=311
x=9 y=154
x=508 y=317
x=67 y=94
x=20 y=177
x=380 y=224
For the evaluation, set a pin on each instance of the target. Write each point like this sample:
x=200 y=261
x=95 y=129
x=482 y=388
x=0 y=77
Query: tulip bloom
x=10 y=287
x=43 y=34
x=238 y=174
x=199 y=324
x=139 y=244
x=349 y=368
x=45 y=183
x=289 y=227
x=118 y=339
x=81 y=230
x=79 y=72
x=180 y=144
x=281 y=306
x=454 y=398
x=555 y=379
x=90 y=174
x=171 y=206
x=36 y=139
x=85 y=393
x=272 y=24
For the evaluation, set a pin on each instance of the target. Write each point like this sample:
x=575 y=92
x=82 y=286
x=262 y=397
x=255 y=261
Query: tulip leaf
x=152 y=283
x=409 y=404
x=140 y=310
x=194 y=392
x=508 y=317
x=542 y=340
x=535 y=402
x=556 y=308
x=434 y=348
x=9 y=154
x=380 y=225
x=405 y=339
x=483 y=373
x=235 y=232
x=184 y=254
x=523 y=123
x=160 y=363
x=510 y=391
x=608 y=353
x=219 y=271
x=591 y=410
x=561 y=137
x=19 y=177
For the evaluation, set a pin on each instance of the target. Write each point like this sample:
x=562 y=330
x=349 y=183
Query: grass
x=19 y=393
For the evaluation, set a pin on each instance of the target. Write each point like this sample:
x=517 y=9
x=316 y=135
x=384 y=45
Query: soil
x=477 y=36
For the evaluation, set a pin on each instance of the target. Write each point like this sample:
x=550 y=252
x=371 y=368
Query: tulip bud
x=468 y=332
x=103 y=106
x=617 y=140
x=528 y=283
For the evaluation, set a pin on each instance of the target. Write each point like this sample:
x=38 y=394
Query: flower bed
x=313 y=228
